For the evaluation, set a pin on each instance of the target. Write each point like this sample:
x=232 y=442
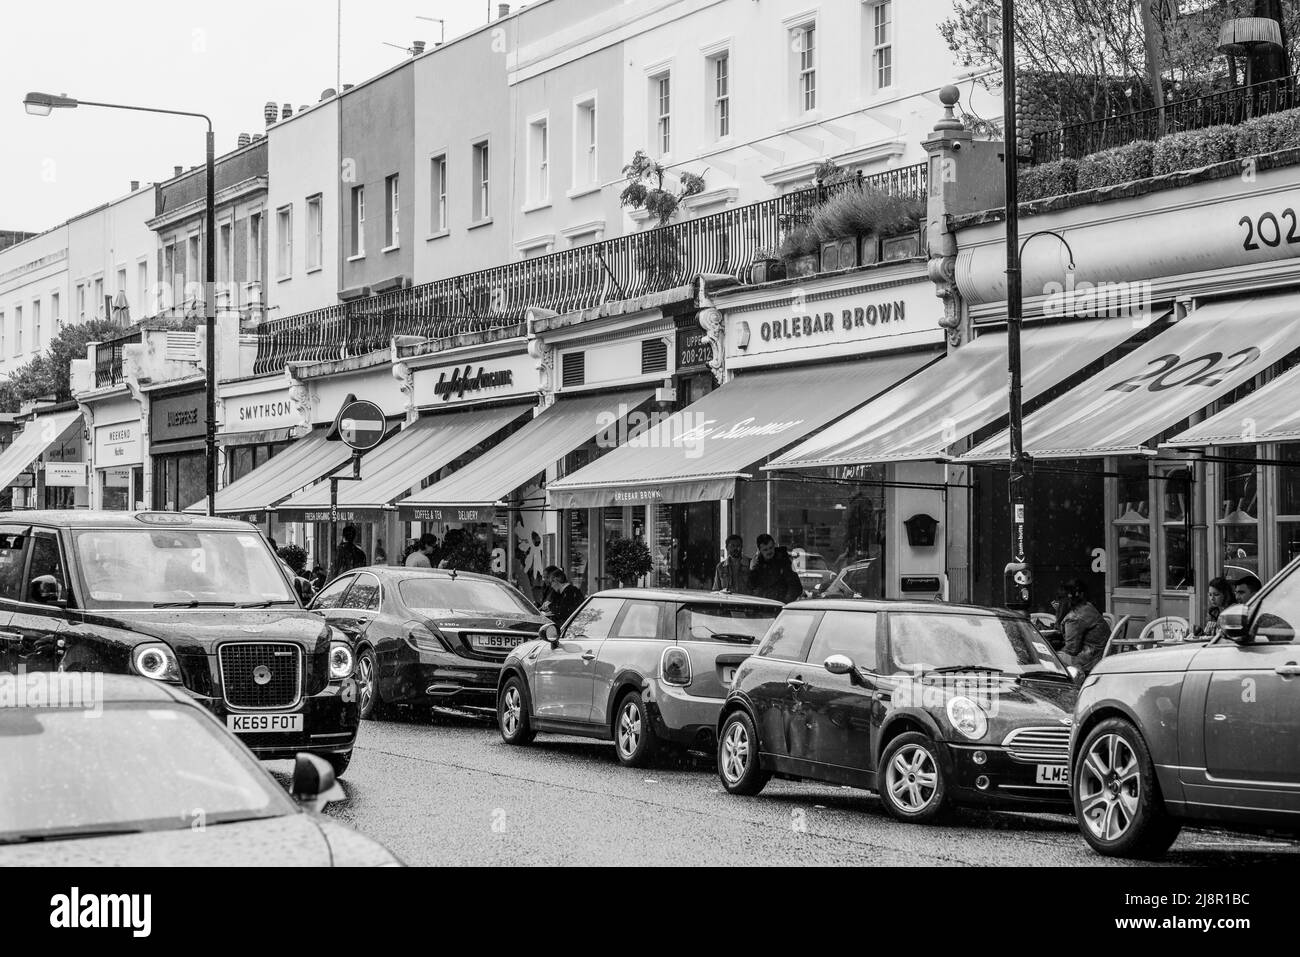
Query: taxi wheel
x=1117 y=799
x=339 y=762
x=738 y=763
x=634 y=737
x=512 y=714
x=367 y=674
x=911 y=780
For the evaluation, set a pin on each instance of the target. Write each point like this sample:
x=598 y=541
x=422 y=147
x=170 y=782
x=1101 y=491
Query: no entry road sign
x=361 y=425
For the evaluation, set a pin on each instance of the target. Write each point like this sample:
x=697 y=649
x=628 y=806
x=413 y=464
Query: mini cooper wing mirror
x=842 y=665
x=46 y=590
x=1234 y=622
x=549 y=634
x=1074 y=672
x=313 y=784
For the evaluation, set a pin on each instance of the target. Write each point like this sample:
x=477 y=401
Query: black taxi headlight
x=156 y=661
x=341 y=660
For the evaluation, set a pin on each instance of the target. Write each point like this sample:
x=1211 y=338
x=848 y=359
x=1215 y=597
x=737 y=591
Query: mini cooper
x=929 y=705
x=640 y=667
x=197 y=603
x=1203 y=733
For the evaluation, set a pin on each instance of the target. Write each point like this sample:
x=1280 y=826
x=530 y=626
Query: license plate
x=495 y=642
x=1053 y=774
x=729 y=675
x=264 y=722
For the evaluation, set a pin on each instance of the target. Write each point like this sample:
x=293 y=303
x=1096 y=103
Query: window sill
x=279 y=279
x=438 y=235
x=582 y=191
x=356 y=258
x=536 y=207
x=315 y=269
x=479 y=223
x=391 y=249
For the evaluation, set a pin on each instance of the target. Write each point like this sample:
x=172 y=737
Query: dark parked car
x=859 y=580
x=427 y=637
x=815 y=575
x=635 y=666
x=929 y=705
x=199 y=603
x=1205 y=733
x=154 y=779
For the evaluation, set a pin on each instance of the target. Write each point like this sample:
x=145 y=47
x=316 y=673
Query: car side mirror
x=1234 y=622
x=46 y=590
x=843 y=665
x=1074 y=672
x=314 y=784
x=549 y=634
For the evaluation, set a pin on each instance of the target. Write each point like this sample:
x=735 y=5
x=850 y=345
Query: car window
x=46 y=560
x=332 y=594
x=921 y=641
x=13 y=544
x=849 y=633
x=1279 y=610
x=640 y=620
x=724 y=622
x=437 y=596
x=594 y=619
x=789 y=636
x=363 y=595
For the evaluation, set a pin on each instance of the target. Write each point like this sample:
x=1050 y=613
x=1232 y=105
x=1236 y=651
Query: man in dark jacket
x=1085 y=631
x=772 y=575
x=349 y=556
x=564 y=598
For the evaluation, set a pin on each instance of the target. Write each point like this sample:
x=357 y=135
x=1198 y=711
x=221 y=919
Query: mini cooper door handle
x=588 y=655
x=795 y=684
x=1288 y=670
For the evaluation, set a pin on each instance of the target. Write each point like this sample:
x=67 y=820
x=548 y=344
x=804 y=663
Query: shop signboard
x=177 y=417
x=117 y=478
x=475 y=380
x=66 y=474
x=449 y=514
x=261 y=412
x=118 y=444
x=694 y=349
x=346 y=516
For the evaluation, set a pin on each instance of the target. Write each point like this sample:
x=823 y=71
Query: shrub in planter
x=799 y=241
x=1267 y=134
x=1193 y=149
x=765 y=268
x=1123 y=164
x=856 y=211
x=1049 y=179
x=627 y=559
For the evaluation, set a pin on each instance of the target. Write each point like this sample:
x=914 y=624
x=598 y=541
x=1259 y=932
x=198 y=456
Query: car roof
x=878 y=604
x=402 y=571
x=86 y=518
x=685 y=594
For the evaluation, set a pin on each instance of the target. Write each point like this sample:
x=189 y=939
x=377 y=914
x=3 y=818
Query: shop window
x=1174 y=526
x=1288 y=504
x=830 y=524
x=1132 y=523
x=1237 y=505
x=577 y=547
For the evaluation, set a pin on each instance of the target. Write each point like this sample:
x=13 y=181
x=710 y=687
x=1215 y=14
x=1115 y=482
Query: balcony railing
x=1192 y=113
x=108 y=359
x=585 y=277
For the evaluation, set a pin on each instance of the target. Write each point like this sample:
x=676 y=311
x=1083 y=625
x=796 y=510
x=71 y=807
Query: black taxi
x=198 y=603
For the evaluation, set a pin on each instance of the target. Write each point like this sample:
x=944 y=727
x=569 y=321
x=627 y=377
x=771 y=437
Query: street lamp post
x=42 y=104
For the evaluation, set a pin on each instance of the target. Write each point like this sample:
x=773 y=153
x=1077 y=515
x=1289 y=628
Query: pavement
x=446 y=790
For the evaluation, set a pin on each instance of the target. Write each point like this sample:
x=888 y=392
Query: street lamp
x=43 y=104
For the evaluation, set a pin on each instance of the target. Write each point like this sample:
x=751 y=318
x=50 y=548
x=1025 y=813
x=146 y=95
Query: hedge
x=1049 y=179
x=1119 y=165
x=1193 y=149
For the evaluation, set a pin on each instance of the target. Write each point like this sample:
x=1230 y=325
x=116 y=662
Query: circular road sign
x=361 y=425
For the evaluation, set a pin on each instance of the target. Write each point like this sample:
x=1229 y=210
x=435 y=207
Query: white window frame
x=803 y=44
x=82 y=292
x=882 y=50
x=357 y=211
x=586 y=144
x=36 y=325
x=97 y=283
x=315 y=232
x=4 y=321
x=392 y=212
x=439 y=220
x=537 y=161
x=718 y=87
x=284 y=242
x=481 y=173
x=193 y=265
x=661 y=101
x=56 y=310
x=18 y=330
x=142 y=280
x=254 y=252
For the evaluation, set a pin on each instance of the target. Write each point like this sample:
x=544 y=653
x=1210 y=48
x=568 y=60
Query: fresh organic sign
x=466 y=380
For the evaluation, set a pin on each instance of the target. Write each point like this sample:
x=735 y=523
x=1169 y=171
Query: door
x=832 y=732
x=38 y=624
x=13 y=558
x=562 y=676
x=634 y=644
x=776 y=677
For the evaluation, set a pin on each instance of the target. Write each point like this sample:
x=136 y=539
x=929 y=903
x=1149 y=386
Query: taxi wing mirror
x=314 y=784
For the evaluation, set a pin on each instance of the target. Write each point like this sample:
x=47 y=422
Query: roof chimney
x=135 y=185
x=329 y=91
x=269 y=112
x=244 y=140
x=348 y=86
x=258 y=136
x=417 y=47
x=286 y=111
x=302 y=109
x=503 y=10
x=177 y=170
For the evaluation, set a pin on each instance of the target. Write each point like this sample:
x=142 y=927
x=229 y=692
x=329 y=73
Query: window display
x=1133 y=525
x=1238 y=511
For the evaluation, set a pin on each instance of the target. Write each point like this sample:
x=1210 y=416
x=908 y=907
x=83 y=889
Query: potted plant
x=626 y=560
x=766 y=267
x=800 y=249
x=657 y=253
x=855 y=225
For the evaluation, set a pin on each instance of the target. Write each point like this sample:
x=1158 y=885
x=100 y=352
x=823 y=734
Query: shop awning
x=304 y=462
x=37 y=436
x=697 y=454
x=1179 y=371
x=400 y=464
x=1270 y=414
x=957 y=396
x=472 y=493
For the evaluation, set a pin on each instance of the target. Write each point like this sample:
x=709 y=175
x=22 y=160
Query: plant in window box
x=799 y=249
x=626 y=560
x=766 y=267
x=870 y=222
x=658 y=254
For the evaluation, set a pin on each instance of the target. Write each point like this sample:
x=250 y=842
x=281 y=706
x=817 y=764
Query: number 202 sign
x=1169 y=371
x=1267 y=229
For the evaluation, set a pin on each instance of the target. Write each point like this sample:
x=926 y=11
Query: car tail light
x=423 y=638
x=675 y=666
x=156 y=661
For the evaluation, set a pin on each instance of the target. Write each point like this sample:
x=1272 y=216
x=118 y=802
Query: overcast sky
x=226 y=59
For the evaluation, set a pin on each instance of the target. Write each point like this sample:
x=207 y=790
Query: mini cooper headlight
x=675 y=666
x=156 y=661
x=340 y=660
x=967 y=717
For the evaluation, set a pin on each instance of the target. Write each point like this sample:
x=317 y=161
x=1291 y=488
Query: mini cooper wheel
x=912 y=783
x=512 y=714
x=738 y=763
x=1116 y=797
x=634 y=738
x=367 y=674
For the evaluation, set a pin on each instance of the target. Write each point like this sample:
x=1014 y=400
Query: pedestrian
x=772 y=574
x=1219 y=595
x=295 y=559
x=564 y=597
x=732 y=573
x=1086 y=632
x=423 y=554
x=318 y=578
x=1245 y=588
x=349 y=555
x=453 y=545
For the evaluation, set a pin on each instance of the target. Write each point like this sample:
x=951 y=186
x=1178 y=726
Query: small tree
x=47 y=374
x=656 y=253
x=627 y=559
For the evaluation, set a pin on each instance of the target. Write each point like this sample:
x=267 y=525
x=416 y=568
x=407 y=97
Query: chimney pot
x=286 y=111
x=503 y=10
x=177 y=170
x=244 y=139
x=135 y=185
x=258 y=136
x=329 y=91
x=417 y=47
x=269 y=112
x=348 y=86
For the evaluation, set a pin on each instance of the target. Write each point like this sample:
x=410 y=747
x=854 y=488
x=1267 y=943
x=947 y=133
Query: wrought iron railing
x=108 y=359
x=1233 y=106
x=584 y=277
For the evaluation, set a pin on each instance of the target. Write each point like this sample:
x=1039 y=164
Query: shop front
x=177 y=427
x=44 y=465
x=118 y=450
